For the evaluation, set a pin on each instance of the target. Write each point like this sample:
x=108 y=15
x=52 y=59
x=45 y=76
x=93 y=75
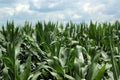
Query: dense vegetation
x=60 y=52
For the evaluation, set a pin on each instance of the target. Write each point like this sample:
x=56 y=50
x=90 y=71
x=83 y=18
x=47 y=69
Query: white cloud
x=53 y=17
x=57 y=10
x=22 y=8
x=6 y=11
x=75 y=16
x=90 y=8
x=105 y=17
x=43 y=4
x=61 y=16
x=52 y=5
x=37 y=3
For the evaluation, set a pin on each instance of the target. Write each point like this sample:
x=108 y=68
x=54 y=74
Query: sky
x=59 y=10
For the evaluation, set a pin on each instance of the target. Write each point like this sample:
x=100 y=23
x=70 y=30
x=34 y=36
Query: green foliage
x=60 y=52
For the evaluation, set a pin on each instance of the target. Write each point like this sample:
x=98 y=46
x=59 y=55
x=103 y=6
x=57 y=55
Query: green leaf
x=6 y=74
x=90 y=72
x=69 y=77
x=56 y=75
x=63 y=55
x=100 y=73
x=26 y=73
x=36 y=75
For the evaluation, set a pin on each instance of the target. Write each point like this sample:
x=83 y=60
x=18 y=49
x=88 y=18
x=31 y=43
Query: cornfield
x=52 y=51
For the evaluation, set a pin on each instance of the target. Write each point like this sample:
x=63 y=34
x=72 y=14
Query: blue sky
x=59 y=10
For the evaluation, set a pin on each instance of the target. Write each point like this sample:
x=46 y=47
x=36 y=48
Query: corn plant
x=60 y=51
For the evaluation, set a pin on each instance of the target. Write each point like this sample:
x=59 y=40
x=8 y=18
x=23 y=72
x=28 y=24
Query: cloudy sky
x=59 y=10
